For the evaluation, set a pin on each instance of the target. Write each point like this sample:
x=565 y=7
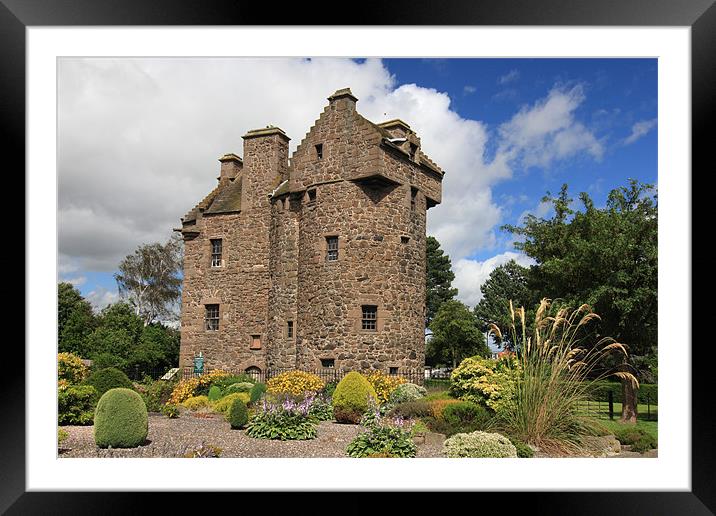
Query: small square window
x=216 y=252
x=370 y=317
x=289 y=329
x=255 y=342
x=328 y=362
x=393 y=371
x=211 y=317
x=332 y=248
x=404 y=239
x=312 y=195
x=319 y=151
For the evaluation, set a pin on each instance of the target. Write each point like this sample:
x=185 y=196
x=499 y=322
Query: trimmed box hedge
x=600 y=392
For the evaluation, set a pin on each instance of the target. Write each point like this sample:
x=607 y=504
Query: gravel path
x=175 y=437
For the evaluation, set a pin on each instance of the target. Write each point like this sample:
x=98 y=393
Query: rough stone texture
x=373 y=194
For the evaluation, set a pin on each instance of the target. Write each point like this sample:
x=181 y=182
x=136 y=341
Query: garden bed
x=176 y=437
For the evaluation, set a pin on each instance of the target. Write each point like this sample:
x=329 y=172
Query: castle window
x=319 y=151
x=255 y=342
x=370 y=317
x=328 y=362
x=289 y=329
x=413 y=149
x=404 y=239
x=216 y=252
x=254 y=372
x=332 y=248
x=211 y=317
x=393 y=371
x=312 y=195
x=413 y=197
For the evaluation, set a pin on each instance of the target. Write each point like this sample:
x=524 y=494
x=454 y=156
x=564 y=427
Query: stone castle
x=317 y=261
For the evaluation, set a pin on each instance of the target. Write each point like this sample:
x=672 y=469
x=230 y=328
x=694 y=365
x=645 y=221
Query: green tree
x=439 y=279
x=455 y=335
x=506 y=283
x=150 y=279
x=116 y=336
x=75 y=320
x=604 y=257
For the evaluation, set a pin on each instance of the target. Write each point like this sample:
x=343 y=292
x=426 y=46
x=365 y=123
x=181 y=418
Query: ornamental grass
x=557 y=366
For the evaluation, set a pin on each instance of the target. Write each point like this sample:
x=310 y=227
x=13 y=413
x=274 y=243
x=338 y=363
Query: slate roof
x=228 y=199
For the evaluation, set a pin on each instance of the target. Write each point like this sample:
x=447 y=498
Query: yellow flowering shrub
x=62 y=384
x=384 y=384
x=196 y=402
x=185 y=389
x=224 y=404
x=295 y=383
x=484 y=381
x=71 y=368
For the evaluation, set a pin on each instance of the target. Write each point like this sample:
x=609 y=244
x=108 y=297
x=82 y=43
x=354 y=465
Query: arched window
x=253 y=371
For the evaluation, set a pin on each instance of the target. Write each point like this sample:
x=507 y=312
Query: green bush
x=223 y=405
x=329 y=389
x=75 y=405
x=257 y=391
x=599 y=391
x=639 y=440
x=223 y=382
x=170 y=411
x=407 y=392
x=484 y=381
x=383 y=441
x=411 y=410
x=285 y=421
x=158 y=393
x=109 y=378
x=352 y=398
x=196 y=402
x=467 y=416
x=62 y=436
x=523 y=450
x=238 y=414
x=239 y=387
x=214 y=393
x=120 y=420
x=479 y=444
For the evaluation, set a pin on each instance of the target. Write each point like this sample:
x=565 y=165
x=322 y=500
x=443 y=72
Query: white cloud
x=540 y=134
x=80 y=280
x=471 y=274
x=510 y=76
x=468 y=90
x=101 y=297
x=540 y=211
x=639 y=129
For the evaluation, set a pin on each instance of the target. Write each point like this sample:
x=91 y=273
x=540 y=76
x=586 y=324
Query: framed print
x=120 y=107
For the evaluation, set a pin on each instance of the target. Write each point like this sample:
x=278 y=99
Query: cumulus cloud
x=101 y=297
x=639 y=129
x=471 y=274
x=138 y=142
x=469 y=90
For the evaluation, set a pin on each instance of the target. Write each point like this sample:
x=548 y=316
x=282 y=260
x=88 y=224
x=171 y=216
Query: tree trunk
x=629 y=405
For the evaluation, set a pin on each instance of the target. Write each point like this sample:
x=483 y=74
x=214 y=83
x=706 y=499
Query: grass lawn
x=651 y=427
x=438 y=395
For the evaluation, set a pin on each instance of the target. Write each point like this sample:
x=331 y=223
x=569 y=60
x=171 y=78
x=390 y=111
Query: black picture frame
x=700 y=15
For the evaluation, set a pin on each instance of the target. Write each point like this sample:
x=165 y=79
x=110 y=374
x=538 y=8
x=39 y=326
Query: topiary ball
x=479 y=444
x=352 y=398
x=257 y=391
x=120 y=420
x=214 y=393
x=238 y=414
x=109 y=378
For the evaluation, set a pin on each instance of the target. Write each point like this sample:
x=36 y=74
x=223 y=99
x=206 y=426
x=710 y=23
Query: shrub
x=639 y=440
x=196 y=402
x=75 y=405
x=223 y=405
x=524 y=451
x=411 y=410
x=284 y=421
x=197 y=386
x=479 y=444
x=599 y=391
x=170 y=411
x=382 y=439
x=384 y=384
x=295 y=383
x=320 y=408
x=70 y=368
x=158 y=393
x=238 y=387
x=485 y=381
x=407 y=392
x=62 y=435
x=238 y=415
x=120 y=420
x=229 y=379
x=437 y=407
x=352 y=398
x=466 y=415
x=110 y=378
x=329 y=389
x=214 y=393
x=257 y=391
x=204 y=451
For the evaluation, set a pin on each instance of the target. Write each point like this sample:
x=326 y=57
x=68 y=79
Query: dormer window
x=319 y=151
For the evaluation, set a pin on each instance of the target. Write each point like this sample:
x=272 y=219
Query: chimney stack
x=231 y=166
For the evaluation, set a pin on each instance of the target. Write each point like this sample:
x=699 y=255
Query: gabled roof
x=228 y=199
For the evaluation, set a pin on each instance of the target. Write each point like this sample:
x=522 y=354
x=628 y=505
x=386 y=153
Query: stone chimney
x=231 y=166
x=265 y=163
x=343 y=99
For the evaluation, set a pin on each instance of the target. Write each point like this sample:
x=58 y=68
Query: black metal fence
x=607 y=408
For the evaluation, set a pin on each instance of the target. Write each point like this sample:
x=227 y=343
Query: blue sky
x=506 y=131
